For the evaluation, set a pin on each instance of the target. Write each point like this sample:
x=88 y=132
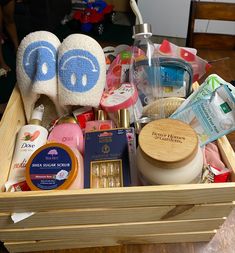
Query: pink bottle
x=69 y=134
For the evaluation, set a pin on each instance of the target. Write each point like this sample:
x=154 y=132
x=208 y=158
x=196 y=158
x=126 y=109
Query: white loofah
x=81 y=71
x=37 y=69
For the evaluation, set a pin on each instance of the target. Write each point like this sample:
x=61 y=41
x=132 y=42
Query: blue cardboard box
x=107 y=158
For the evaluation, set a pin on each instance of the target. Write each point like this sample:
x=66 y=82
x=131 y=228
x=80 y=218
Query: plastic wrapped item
x=211 y=118
x=205 y=91
x=118 y=71
x=174 y=76
x=170 y=105
x=223 y=241
x=168 y=49
x=173 y=70
x=112 y=52
x=214 y=175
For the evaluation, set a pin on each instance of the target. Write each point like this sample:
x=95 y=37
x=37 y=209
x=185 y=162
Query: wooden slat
x=93 y=232
x=13 y=118
x=215 y=11
x=213 y=41
x=117 y=197
x=227 y=154
x=118 y=215
x=202 y=236
x=231 y=136
x=30 y=246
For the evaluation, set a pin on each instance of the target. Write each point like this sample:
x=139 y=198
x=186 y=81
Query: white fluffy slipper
x=81 y=71
x=36 y=69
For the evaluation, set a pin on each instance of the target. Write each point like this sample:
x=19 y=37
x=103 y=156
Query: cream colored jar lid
x=168 y=141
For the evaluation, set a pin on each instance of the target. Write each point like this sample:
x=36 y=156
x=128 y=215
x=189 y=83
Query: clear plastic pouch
x=175 y=79
x=199 y=65
x=211 y=118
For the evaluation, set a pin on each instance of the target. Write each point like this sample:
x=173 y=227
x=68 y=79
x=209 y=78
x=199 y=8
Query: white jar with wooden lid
x=169 y=153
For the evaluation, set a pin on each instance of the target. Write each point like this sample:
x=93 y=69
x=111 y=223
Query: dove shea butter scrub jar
x=169 y=153
x=55 y=166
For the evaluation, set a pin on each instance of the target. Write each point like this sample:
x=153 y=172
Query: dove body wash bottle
x=29 y=138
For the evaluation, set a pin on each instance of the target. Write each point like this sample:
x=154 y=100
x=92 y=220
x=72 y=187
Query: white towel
x=37 y=69
x=81 y=71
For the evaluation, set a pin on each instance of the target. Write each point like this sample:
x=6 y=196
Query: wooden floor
x=225 y=69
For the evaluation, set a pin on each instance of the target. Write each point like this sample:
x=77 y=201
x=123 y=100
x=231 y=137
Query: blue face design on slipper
x=39 y=61
x=78 y=70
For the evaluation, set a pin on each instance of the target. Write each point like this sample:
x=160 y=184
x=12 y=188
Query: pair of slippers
x=71 y=73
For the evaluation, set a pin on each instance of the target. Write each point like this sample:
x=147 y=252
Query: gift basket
x=97 y=154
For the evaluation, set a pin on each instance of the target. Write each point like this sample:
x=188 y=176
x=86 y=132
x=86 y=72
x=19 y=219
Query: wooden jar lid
x=168 y=141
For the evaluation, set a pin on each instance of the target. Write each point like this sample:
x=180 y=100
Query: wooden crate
x=106 y=217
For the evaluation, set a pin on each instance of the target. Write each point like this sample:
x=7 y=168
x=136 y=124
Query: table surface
x=225 y=69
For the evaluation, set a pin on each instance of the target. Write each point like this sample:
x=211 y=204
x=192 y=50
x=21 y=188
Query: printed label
x=120 y=95
x=168 y=137
x=225 y=107
x=50 y=168
x=20 y=165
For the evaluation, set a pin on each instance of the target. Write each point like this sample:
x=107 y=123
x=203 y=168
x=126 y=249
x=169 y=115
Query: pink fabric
x=212 y=156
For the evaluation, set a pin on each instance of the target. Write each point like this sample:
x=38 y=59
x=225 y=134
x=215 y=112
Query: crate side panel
x=118 y=215
x=92 y=232
x=31 y=246
x=227 y=154
x=117 y=197
x=12 y=120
